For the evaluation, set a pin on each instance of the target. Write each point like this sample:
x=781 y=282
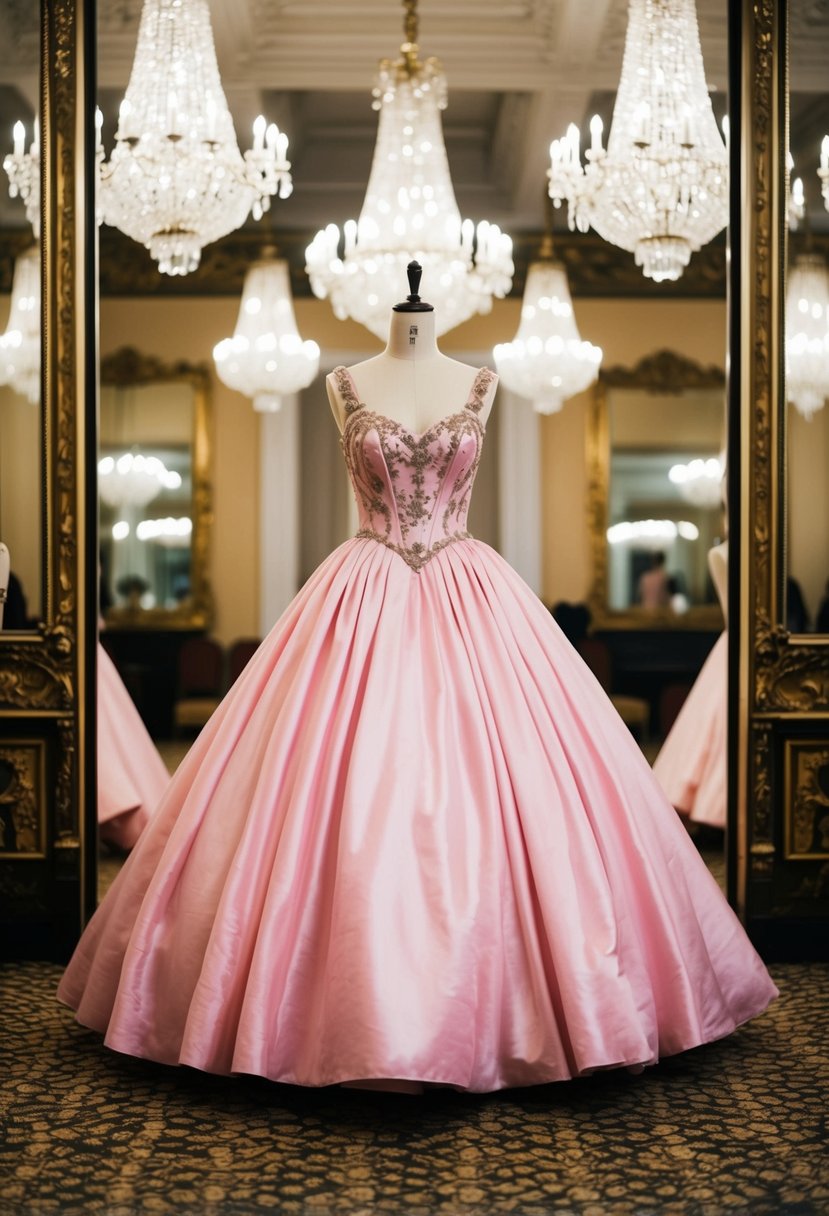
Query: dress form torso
x=411 y=382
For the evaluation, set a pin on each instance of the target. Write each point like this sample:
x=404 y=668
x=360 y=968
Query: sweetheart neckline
x=360 y=407
x=415 y=436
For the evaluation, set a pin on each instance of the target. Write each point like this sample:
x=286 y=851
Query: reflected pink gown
x=131 y=774
x=691 y=765
x=415 y=842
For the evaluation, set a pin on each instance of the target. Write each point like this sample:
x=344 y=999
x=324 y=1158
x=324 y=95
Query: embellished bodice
x=412 y=490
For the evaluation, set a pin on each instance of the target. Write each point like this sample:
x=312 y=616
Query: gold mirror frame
x=663 y=372
x=47 y=684
x=128 y=367
x=780 y=702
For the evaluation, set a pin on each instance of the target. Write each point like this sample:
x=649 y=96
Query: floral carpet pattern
x=736 y=1127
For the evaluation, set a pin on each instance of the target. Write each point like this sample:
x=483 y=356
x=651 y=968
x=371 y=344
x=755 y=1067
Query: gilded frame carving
x=782 y=698
x=46 y=674
x=662 y=372
x=130 y=367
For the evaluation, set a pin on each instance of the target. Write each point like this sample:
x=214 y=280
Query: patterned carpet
x=737 y=1127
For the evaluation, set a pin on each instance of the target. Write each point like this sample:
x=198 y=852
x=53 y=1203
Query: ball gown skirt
x=414 y=842
x=691 y=765
x=131 y=774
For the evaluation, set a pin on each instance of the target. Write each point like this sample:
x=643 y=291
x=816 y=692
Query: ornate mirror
x=155 y=498
x=655 y=439
x=780 y=701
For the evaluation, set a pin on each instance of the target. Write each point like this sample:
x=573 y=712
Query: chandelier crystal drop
x=807 y=334
x=547 y=360
x=23 y=169
x=410 y=213
x=176 y=179
x=266 y=359
x=660 y=188
x=20 y=344
x=133 y=480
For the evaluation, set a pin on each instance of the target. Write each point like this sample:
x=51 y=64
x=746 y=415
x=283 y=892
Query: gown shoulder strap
x=347 y=389
x=480 y=390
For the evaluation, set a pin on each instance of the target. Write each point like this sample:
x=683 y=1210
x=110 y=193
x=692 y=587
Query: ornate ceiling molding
x=595 y=268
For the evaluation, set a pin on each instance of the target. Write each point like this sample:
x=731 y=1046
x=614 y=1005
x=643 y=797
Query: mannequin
x=411 y=382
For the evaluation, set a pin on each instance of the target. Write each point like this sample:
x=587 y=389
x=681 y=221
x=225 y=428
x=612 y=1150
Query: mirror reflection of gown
x=132 y=777
x=415 y=841
x=691 y=765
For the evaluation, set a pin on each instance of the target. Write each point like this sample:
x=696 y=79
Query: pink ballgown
x=131 y=774
x=691 y=765
x=414 y=842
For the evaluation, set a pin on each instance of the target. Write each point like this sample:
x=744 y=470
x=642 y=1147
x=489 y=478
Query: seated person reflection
x=654 y=590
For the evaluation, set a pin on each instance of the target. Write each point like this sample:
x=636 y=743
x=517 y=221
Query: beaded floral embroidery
x=392 y=467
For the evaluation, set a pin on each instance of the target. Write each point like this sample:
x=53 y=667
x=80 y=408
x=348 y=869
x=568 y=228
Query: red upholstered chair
x=671 y=700
x=200 y=682
x=635 y=712
x=239 y=655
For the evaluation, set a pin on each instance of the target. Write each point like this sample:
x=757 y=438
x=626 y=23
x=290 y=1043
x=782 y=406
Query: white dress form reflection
x=691 y=766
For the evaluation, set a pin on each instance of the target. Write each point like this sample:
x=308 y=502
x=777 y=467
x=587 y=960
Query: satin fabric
x=415 y=842
x=691 y=766
x=132 y=777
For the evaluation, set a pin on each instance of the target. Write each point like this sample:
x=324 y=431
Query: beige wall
x=20 y=485
x=188 y=329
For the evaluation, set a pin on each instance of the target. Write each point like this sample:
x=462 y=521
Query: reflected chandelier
x=20 y=344
x=660 y=188
x=547 y=360
x=23 y=169
x=133 y=480
x=807 y=334
x=410 y=212
x=698 y=481
x=266 y=359
x=176 y=180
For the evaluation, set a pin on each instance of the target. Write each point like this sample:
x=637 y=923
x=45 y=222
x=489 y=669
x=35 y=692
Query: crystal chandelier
x=823 y=171
x=23 y=169
x=807 y=333
x=699 y=481
x=20 y=344
x=547 y=360
x=651 y=533
x=410 y=213
x=133 y=480
x=176 y=180
x=660 y=188
x=266 y=359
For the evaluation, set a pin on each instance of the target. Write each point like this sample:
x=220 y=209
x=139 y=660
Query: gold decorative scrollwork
x=806 y=799
x=22 y=799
